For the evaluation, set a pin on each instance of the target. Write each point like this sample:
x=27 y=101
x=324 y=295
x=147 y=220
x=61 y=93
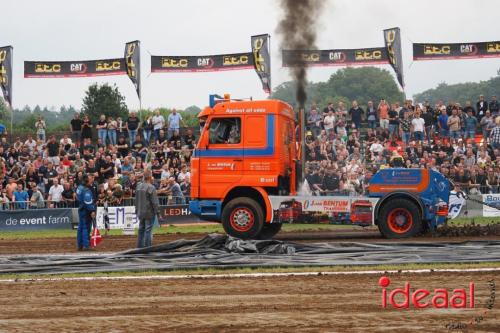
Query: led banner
x=447 y=51
x=6 y=73
x=58 y=69
x=392 y=38
x=209 y=63
x=340 y=57
x=262 y=60
x=133 y=64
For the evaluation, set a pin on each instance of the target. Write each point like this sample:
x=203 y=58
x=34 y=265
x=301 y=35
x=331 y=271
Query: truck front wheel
x=242 y=218
x=400 y=218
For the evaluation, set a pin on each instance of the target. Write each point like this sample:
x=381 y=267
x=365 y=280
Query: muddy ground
x=119 y=243
x=344 y=303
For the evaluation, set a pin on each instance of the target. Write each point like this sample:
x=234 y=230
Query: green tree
x=104 y=99
x=348 y=84
x=461 y=92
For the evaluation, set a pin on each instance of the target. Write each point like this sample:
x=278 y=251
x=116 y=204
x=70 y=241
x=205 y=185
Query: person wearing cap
x=147 y=208
x=86 y=212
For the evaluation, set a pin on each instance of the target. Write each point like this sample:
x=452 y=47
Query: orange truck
x=246 y=160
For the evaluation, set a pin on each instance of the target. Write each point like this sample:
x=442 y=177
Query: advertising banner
x=119 y=217
x=133 y=64
x=392 y=38
x=262 y=60
x=37 y=219
x=494 y=200
x=340 y=57
x=125 y=218
x=455 y=205
x=447 y=51
x=208 y=63
x=327 y=209
x=6 y=73
x=61 y=69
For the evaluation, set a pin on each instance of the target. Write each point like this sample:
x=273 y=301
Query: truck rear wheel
x=269 y=230
x=242 y=218
x=400 y=218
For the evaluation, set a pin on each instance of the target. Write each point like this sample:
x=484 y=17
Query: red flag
x=95 y=238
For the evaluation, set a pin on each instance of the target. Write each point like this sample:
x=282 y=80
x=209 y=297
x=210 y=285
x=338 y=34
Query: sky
x=98 y=29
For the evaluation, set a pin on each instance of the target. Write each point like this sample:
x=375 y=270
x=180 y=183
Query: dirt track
x=349 y=303
x=119 y=243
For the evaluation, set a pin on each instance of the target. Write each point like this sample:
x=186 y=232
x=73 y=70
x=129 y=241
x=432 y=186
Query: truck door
x=221 y=161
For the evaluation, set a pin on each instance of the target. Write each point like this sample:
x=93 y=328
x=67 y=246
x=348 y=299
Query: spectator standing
x=147 y=208
x=55 y=193
x=468 y=106
x=314 y=121
x=102 y=129
x=3 y=130
x=36 y=201
x=86 y=128
x=494 y=106
x=20 y=197
x=481 y=107
x=495 y=135
x=418 y=126
x=189 y=139
x=454 y=124
x=147 y=129
x=174 y=122
x=112 y=127
x=329 y=121
x=158 y=124
x=470 y=125
x=428 y=121
x=132 y=126
x=175 y=191
x=40 y=127
x=393 y=117
x=383 y=114
x=68 y=195
x=443 y=123
x=371 y=116
x=53 y=150
x=356 y=114
x=487 y=124
x=406 y=125
x=76 y=129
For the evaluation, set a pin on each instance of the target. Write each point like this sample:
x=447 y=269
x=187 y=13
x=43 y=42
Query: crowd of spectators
x=41 y=172
x=346 y=146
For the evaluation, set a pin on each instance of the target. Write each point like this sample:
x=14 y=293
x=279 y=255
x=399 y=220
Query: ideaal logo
x=440 y=298
x=423 y=298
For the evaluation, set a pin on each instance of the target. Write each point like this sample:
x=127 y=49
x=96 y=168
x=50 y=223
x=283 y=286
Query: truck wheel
x=242 y=218
x=400 y=218
x=269 y=230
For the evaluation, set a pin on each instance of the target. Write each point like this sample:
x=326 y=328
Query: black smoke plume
x=298 y=32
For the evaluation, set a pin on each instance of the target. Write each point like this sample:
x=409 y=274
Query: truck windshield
x=225 y=130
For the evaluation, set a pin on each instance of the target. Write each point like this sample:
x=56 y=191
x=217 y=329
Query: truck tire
x=269 y=230
x=243 y=218
x=400 y=218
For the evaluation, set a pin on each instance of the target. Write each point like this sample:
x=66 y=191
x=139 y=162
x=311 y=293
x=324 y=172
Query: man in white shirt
x=329 y=121
x=418 y=125
x=55 y=193
x=158 y=123
x=376 y=148
x=30 y=143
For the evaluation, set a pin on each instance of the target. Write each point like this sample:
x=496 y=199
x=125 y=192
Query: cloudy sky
x=97 y=29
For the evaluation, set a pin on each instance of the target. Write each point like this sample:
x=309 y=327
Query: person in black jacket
x=481 y=107
x=428 y=119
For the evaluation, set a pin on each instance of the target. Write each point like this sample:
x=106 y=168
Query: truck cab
x=246 y=152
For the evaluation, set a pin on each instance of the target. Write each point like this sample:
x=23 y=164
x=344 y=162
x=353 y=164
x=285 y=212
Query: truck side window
x=225 y=130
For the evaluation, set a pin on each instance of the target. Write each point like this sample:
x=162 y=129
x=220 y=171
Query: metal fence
x=47 y=204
